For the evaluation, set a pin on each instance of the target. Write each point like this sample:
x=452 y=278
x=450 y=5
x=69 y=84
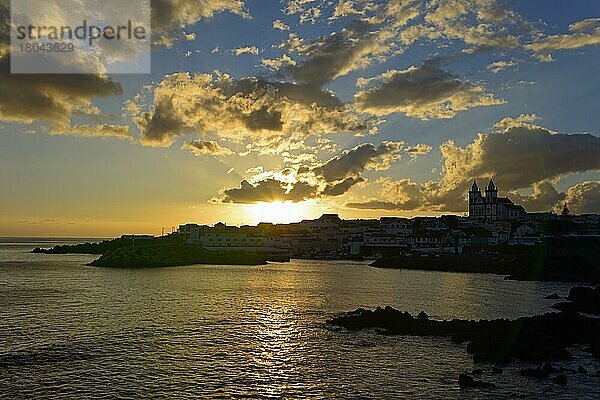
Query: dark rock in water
x=582 y=294
x=540 y=372
x=566 y=306
x=476 y=372
x=497 y=370
x=595 y=347
x=582 y=370
x=549 y=369
x=553 y=296
x=534 y=373
x=465 y=381
x=423 y=315
x=538 y=338
x=565 y=369
x=581 y=299
x=559 y=379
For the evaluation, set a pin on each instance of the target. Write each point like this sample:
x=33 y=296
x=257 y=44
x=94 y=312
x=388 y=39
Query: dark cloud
x=342 y=187
x=519 y=155
x=353 y=162
x=418 y=150
x=339 y=53
x=269 y=190
x=198 y=147
x=424 y=92
x=401 y=194
x=237 y=109
x=52 y=98
x=545 y=197
x=334 y=177
x=365 y=39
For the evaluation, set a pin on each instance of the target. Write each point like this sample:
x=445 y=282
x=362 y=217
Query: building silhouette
x=491 y=208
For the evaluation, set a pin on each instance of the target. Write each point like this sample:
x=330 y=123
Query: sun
x=278 y=212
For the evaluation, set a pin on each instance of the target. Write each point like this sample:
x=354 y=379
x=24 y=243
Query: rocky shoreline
x=541 y=338
x=555 y=259
x=472 y=263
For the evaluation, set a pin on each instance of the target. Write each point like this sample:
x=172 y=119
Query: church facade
x=491 y=208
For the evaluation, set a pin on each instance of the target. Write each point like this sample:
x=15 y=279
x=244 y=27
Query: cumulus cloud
x=353 y=162
x=346 y=8
x=169 y=17
x=424 y=92
x=583 y=198
x=280 y=25
x=354 y=47
x=53 y=99
x=278 y=63
x=583 y=33
x=418 y=150
x=545 y=197
x=273 y=114
x=498 y=66
x=338 y=189
x=477 y=23
x=199 y=147
x=379 y=30
x=338 y=54
x=521 y=155
x=308 y=10
x=333 y=177
x=517 y=155
x=293 y=43
x=402 y=194
x=269 y=190
x=246 y=50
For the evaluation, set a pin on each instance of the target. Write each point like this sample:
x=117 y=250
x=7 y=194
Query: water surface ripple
x=72 y=331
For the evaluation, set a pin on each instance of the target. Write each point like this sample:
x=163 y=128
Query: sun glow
x=279 y=212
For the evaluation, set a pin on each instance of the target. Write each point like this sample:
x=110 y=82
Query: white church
x=490 y=208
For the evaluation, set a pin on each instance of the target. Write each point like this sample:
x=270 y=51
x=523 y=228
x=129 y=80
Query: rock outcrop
x=538 y=338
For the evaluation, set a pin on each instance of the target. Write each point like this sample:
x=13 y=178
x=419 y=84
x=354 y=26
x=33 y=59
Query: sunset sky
x=282 y=110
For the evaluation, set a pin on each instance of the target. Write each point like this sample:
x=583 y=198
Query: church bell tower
x=491 y=202
x=474 y=194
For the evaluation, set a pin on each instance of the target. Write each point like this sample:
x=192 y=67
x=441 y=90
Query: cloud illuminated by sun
x=279 y=212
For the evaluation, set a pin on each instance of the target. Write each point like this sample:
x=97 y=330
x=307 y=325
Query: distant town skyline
x=279 y=111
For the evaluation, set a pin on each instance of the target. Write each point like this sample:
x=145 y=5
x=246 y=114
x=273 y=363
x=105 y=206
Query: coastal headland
x=156 y=252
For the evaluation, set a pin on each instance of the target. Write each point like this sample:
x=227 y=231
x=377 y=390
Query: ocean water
x=71 y=331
